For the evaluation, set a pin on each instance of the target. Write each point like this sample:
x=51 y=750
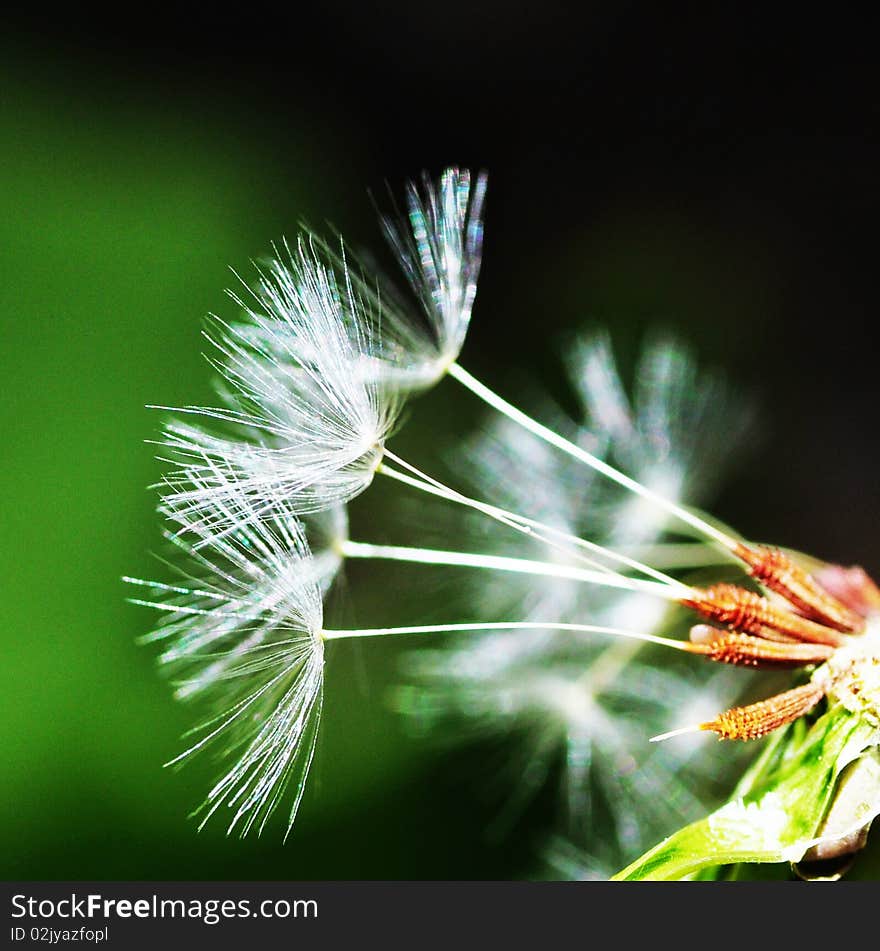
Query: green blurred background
x=716 y=176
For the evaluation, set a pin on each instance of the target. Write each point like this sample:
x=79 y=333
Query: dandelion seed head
x=312 y=379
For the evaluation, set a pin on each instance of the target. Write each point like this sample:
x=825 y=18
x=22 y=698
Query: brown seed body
x=759 y=719
x=778 y=572
x=743 y=650
x=747 y=612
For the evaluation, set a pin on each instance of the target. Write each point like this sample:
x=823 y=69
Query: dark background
x=712 y=172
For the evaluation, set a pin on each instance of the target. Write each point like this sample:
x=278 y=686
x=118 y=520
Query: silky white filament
x=426 y=556
x=505 y=626
x=546 y=533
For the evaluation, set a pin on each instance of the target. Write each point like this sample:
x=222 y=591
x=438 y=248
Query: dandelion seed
x=305 y=425
x=440 y=250
x=439 y=247
x=242 y=633
x=440 y=254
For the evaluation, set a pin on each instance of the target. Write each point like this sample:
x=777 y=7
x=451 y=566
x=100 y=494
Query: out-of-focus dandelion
x=314 y=377
x=575 y=709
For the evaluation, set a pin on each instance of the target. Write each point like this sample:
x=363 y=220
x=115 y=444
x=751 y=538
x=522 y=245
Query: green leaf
x=776 y=810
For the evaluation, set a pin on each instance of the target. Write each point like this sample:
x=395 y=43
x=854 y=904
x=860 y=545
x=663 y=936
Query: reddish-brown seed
x=742 y=610
x=759 y=719
x=774 y=569
x=744 y=650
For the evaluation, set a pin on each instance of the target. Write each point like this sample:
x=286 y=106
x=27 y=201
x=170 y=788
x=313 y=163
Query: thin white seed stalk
x=429 y=556
x=548 y=435
x=332 y=635
x=681 y=731
x=499 y=515
x=528 y=526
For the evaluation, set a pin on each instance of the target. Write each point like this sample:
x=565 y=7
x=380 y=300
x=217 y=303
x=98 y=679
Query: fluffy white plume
x=313 y=377
x=243 y=634
x=439 y=248
x=438 y=243
x=306 y=423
